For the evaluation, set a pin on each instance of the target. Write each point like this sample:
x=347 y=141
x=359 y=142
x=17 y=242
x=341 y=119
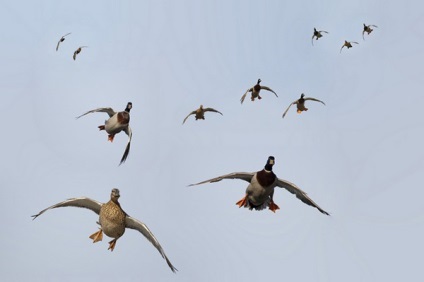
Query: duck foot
x=110 y=137
x=112 y=245
x=101 y=127
x=273 y=207
x=98 y=236
x=242 y=202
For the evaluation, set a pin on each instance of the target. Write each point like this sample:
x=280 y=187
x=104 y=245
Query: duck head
x=114 y=195
x=270 y=162
x=128 y=109
x=259 y=81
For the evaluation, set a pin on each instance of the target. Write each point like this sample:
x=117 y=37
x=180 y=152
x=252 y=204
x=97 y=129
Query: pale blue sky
x=359 y=157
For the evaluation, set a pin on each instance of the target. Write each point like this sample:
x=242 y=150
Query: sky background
x=359 y=157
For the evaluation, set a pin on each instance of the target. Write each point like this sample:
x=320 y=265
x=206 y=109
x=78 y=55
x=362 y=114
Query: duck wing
x=81 y=202
x=292 y=188
x=284 y=114
x=212 y=110
x=269 y=89
x=135 y=224
x=192 y=113
x=128 y=131
x=109 y=111
x=313 y=99
x=244 y=96
x=246 y=176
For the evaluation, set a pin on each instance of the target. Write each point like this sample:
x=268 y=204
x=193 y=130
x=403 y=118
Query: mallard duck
x=367 y=29
x=300 y=103
x=348 y=44
x=317 y=34
x=61 y=40
x=260 y=191
x=78 y=51
x=255 y=91
x=113 y=220
x=200 y=113
x=117 y=122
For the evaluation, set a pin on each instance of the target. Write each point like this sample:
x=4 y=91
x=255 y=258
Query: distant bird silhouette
x=255 y=91
x=348 y=44
x=200 y=113
x=61 y=40
x=78 y=51
x=300 y=103
x=113 y=220
x=367 y=29
x=317 y=34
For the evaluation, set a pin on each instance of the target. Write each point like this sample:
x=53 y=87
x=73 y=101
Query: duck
x=348 y=44
x=255 y=91
x=317 y=34
x=300 y=103
x=78 y=51
x=61 y=40
x=113 y=221
x=367 y=29
x=200 y=113
x=117 y=122
x=260 y=191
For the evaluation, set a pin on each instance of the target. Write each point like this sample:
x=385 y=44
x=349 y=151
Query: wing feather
x=313 y=99
x=212 y=110
x=293 y=103
x=246 y=176
x=128 y=131
x=109 y=111
x=81 y=202
x=269 y=89
x=192 y=113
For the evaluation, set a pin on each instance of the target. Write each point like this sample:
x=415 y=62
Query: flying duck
x=367 y=29
x=200 y=113
x=78 y=51
x=255 y=91
x=348 y=44
x=117 y=122
x=113 y=220
x=260 y=191
x=61 y=40
x=317 y=34
x=300 y=103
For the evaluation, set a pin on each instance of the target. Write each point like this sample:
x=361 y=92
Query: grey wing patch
x=109 y=111
x=313 y=99
x=212 y=110
x=81 y=202
x=192 y=113
x=269 y=89
x=246 y=176
x=284 y=114
x=128 y=131
x=292 y=188
x=135 y=224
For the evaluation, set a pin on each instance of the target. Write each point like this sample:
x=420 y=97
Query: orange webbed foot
x=112 y=245
x=101 y=127
x=110 y=137
x=242 y=202
x=98 y=236
x=273 y=207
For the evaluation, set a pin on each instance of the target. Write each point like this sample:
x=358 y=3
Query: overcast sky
x=359 y=157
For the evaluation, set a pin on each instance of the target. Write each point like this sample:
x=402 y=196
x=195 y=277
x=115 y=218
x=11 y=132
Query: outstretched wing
x=313 y=99
x=81 y=202
x=192 y=113
x=269 y=89
x=292 y=188
x=244 y=96
x=128 y=131
x=284 y=114
x=342 y=48
x=363 y=34
x=57 y=47
x=143 y=229
x=212 y=110
x=313 y=35
x=246 y=176
x=323 y=31
x=109 y=111
x=354 y=42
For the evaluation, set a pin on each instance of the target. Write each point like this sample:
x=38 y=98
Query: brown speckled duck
x=317 y=34
x=117 y=122
x=300 y=103
x=367 y=29
x=256 y=91
x=348 y=44
x=113 y=220
x=78 y=51
x=61 y=40
x=260 y=191
x=200 y=113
